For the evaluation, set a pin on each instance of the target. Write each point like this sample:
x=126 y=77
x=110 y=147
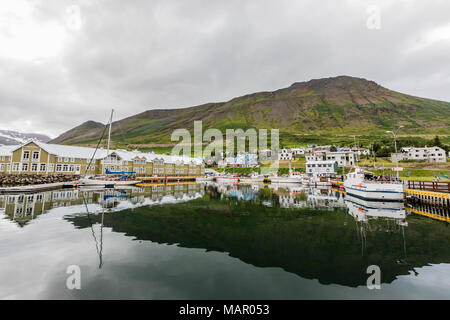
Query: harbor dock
x=434 y=198
x=428 y=192
x=152 y=180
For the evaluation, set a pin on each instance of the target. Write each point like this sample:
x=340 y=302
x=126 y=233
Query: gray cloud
x=139 y=55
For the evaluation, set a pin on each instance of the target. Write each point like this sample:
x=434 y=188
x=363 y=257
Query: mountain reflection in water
x=317 y=234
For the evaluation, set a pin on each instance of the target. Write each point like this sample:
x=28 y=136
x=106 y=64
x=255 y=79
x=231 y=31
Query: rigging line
x=101 y=239
x=98 y=144
x=92 y=228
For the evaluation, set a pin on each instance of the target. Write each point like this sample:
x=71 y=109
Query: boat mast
x=109 y=134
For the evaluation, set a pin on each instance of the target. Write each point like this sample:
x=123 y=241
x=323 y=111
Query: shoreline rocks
x=11 y=180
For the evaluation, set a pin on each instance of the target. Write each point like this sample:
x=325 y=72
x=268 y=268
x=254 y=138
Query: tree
x=437 y=142
x=383 y=152
x=333 y=149
x=375 y=147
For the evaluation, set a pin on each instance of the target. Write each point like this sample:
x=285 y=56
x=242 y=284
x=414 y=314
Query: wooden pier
x=156 y=184
x=429 y=197
x=336 y=183
x=428 y=192
x=434 y=186
x=168 y=179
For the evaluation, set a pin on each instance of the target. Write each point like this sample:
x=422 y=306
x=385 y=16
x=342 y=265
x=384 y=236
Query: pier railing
x=434 y=186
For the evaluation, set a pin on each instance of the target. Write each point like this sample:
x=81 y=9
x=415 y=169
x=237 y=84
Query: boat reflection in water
x=218 y=241
x=363 y=210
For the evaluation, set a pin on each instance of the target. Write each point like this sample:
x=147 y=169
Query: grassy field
x=417 y=174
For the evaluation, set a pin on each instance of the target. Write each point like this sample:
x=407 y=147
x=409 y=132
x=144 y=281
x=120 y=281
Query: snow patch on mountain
x=9 y=137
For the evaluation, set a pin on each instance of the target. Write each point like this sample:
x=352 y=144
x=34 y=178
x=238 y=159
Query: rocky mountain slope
x=338 y=105
x=9 y=137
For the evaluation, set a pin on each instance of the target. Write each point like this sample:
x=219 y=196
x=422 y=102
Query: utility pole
x=394 y=133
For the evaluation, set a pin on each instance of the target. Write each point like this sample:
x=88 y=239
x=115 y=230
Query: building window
x=66 y=159
x=71 y=168
x=59 y=159
x=50 y=167
x=24 y=166
x=58 y=168
x=42 y=167
x=72 y=159
x=65 y=168
x=34 y=167
x=26 y=155
x=35 y=156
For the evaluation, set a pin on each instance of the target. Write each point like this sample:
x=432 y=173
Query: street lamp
x=394 y=133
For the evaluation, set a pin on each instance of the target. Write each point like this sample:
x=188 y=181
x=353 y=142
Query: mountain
x=83 y=131
x=340 y=105
x=13 y=137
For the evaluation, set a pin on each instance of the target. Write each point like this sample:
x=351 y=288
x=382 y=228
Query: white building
x=343 y=158
x=432 y=154
x=285 y=154
x=321 y=168
x=358 y=151
x=314 y=157
x=298 y=151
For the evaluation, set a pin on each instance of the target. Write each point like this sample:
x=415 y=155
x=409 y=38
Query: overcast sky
x=66 y=62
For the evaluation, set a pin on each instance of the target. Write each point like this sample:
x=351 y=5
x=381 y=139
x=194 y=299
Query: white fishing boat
x=358 y=185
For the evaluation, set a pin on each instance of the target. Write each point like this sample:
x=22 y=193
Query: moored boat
x=359 y=185
x=227 y=179
x=106 y=182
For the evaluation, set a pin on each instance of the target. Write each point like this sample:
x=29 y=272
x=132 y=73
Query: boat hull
x=376 y=191
x=93 y=182
x=286 y=180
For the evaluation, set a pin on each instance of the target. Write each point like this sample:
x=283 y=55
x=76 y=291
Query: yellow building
x=36 y=157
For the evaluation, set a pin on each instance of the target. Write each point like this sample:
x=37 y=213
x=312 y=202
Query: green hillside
x=323 y=109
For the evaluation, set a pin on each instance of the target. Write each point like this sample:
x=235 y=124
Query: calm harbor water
x=195 y=241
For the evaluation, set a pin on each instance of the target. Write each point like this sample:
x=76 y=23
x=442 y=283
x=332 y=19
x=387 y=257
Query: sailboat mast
x=109 y=133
